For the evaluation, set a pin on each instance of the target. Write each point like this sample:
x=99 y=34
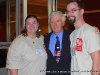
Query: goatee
x=72 y=21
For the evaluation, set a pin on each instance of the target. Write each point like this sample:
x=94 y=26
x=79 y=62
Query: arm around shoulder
x=13 y=71
x=96 y=62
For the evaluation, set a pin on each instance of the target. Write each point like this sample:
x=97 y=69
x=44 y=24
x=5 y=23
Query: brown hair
x=24 y=31
x=79 y=3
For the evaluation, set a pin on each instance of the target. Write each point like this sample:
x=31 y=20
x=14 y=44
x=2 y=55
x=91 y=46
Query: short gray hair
x=59 y=13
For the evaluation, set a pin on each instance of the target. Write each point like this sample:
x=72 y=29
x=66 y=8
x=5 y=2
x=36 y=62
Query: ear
x=66 y=15
x=82 y=11
x=63 y=23
x=38 y=24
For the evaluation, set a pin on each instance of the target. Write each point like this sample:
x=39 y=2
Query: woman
x=26 y=55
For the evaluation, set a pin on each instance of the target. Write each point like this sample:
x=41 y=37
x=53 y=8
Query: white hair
x=59 y=13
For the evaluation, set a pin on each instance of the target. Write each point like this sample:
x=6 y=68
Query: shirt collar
x=59 y=35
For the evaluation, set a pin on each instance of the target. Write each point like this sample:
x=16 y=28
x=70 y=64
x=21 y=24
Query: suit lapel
x=49 y=52
x=64 y=45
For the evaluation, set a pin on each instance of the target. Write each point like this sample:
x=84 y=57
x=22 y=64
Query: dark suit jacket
x=63 y=66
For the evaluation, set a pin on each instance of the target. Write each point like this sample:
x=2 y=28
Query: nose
x=55 y=24
x=69 y=14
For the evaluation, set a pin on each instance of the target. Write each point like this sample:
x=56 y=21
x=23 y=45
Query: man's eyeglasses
x=71 y=11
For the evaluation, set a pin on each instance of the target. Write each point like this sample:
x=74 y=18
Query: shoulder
x=89 y=29
x=68 y=31
x=18 y=40
x=48 y=35
x=41 y=37
x=18 y=43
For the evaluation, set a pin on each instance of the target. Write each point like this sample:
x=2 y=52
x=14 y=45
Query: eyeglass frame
x=31 y=23
x=72 y=11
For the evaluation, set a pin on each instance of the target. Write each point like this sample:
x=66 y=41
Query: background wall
x=93 y=19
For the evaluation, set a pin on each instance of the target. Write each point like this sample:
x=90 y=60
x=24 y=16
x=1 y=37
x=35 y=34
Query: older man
x=57 y=44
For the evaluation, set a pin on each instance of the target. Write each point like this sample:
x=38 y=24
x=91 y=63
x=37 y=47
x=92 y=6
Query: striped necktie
x=57 y=50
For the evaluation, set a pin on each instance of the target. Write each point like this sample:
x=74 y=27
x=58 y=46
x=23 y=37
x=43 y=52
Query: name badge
x=39 y=51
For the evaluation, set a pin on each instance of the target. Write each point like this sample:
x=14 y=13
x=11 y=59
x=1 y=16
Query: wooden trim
x=92 y=11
